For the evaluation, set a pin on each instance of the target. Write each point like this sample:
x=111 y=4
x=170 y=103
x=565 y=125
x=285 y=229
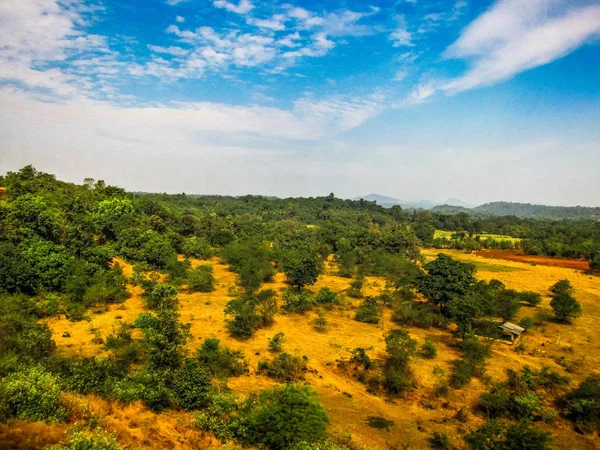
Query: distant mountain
x=456 y=202
x=451 y=209
x=381 y=200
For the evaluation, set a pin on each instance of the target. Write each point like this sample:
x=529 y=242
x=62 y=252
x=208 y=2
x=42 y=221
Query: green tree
x=565 y=307
x=563 y=286
x=464 y=311
x=446 y=280
x=301 y=268
x=201 y=279
x=286 y=416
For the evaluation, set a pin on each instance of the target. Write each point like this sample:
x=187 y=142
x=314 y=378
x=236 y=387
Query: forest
x=65 y=248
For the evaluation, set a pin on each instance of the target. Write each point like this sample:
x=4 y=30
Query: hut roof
x=512 y=328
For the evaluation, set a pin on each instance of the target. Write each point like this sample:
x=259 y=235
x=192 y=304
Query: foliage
x=220 y=361
x=201 y=279
x=565 y=307
x=298 y=301
x=446 y=280
x=195 y=247
x=326 y=296
x=276 y=342
x=380 y=423
x=284 y=367
x=400 y=348
x=440 y=441
x=165 y=343
x=428 y=349
x=321 y=323
x=286 y=416
x=582 y=404
x=493 y=435
x=250 y=312
x=191 y=385
x=97 y=439
x=301 y=268
x=33 y=394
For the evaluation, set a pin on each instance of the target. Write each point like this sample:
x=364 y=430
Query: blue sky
x=481 y=100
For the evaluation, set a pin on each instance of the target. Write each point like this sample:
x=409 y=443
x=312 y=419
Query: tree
x=446 y=280
x=165 y=343
x=250 y=278
x=400 y=348
x=302 y=268
x=287 y=416
x=562 y=287
x=196 y=247
x=565 y=307
x=464 y=311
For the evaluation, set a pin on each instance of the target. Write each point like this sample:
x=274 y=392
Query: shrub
x=145 y=320
x=32 y=394
x=91 y=375
x=367 y=314
x=201 y=279
x=82 y=440
x=440 y=441
x=488 y=436
x=563 y=286
x=221 y=361
x=284 y=367
x=428 y=349
x=418 y=315
x=276 y=342
x=146 y=386
x=524 y=436
x=356 y=288
x=360 y=357
x=400 y=347
x=195 y=247
x=286 y=416
x=297 y=301
x=191 y=384
x=583 y=404
x=530 y=298
x=462 y=373
x=321 y=323
x=326 y=296
x=496 y=403
x=380 y=423
x=161 y=295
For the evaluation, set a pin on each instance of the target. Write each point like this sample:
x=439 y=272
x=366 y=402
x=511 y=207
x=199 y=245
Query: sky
x=413 y=99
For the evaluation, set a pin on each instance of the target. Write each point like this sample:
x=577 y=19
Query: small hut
x=512 y=330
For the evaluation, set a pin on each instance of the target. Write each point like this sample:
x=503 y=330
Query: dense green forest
x=523 y=210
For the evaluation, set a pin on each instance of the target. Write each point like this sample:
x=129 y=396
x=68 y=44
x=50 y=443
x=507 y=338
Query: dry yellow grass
x=346 y=400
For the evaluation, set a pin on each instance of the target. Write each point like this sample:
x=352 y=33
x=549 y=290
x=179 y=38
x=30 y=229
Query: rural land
x=141 y=320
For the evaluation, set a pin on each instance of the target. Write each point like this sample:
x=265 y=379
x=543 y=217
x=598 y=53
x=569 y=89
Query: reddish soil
x=510 y=255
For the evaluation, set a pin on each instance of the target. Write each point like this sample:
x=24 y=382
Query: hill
x=527 y=210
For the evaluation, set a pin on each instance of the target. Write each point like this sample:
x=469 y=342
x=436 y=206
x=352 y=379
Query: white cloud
x=401 y=37
x=174 y=51
x=243 y=7
x=276 y=22
x=180 y=19
x=513 y=36
x=175 y=2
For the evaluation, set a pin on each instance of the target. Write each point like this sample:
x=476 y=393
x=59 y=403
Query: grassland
x=347 y=402
x=483 y=236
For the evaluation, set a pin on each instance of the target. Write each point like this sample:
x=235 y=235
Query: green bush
x=298 y=301
x=582 y=404
x=428 y=349
x=530 y=298
x=191 y=384
x=145 y=320
x=326 y=296
x=85 y=440
x=440 y=441
x=219 y=361
x=462 y=373
x=284 y=367
x=368 y=313
x=420 y=315
x=201 y=279
x=276 y=342
x=196 y=247
x=146 y=386
x=493 y=435
x=32 y=394
x=380 y=423
x=286 y=416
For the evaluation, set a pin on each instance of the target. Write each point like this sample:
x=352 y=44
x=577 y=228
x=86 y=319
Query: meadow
x=346 y=401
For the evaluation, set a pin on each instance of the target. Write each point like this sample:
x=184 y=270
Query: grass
x=482 y=236
x=345 y=399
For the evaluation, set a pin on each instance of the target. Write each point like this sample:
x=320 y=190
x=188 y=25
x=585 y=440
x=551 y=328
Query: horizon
x=481 y=101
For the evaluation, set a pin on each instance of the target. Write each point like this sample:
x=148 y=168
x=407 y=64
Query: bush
x=493 y=435
x=380 y=423
x=276 y=342
x=145 y=320
x=146 y=386
x=297 y=301
x=221 y=361
x=82 y=440
x=201 y=279
x=286 y=416
x=284 y=367
x=583 y=404
x=356 y=288
x=530 y=298
x=462 y=373
x=367 y=314
x=91 y=375
x=440 y=441
x=321 y=323
x=326 y=296
x=400 y=347
x=428 y=349
x=196 y=247
x=31 y=394
x=191 y=384
x=161 y=295
x=418 y=315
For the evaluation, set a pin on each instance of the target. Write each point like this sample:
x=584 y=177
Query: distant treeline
x=523 y=210
x=566 y=238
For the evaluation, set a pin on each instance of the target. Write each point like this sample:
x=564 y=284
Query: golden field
x=346 y=400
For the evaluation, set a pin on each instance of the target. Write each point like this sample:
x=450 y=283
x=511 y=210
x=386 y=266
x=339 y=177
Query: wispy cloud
x=243 y=7
x=513 y=36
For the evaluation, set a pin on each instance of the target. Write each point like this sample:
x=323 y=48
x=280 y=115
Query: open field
x=482 y=236
x=518 y=256
x=348 y=404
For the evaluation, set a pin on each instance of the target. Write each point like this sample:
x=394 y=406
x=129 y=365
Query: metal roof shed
x=512 y=330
